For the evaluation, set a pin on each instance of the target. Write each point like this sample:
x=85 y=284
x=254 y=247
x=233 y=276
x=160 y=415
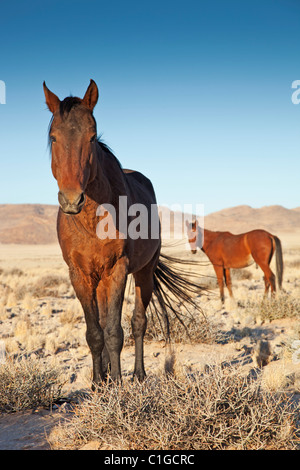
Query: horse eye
x=93 y=138
x=52 y=138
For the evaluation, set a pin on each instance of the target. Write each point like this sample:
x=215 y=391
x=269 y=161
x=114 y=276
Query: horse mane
x=108 y=150
x=104 y=146
x=68 y=103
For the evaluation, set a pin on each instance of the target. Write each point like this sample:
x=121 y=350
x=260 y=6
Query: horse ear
x=91 y=96
x=52 y=100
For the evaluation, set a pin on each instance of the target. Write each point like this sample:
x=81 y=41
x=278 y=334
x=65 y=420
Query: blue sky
x=195 y=94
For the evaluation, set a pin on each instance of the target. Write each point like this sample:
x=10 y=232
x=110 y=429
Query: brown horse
x=226 y=251
x=89 y=176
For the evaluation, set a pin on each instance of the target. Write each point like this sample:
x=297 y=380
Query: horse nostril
x=61 y=198
x=81 y=200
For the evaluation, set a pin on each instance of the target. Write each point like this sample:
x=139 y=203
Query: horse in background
x=226 y=251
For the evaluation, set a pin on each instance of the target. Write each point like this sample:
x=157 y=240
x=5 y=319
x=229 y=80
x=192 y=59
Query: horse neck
x=109 y=183
x=209 y=236
x=106 y=188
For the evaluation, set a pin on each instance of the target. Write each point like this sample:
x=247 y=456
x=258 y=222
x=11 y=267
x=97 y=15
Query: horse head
x=73 y=138
x=193 y=235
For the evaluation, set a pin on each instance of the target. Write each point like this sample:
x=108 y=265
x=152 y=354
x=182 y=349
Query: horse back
x=140 y=187
x=260 y=240
x=229 y=250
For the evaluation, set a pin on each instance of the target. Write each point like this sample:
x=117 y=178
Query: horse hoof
x=140 y=376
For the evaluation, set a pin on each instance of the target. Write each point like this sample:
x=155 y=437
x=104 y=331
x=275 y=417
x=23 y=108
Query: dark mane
x=68 y=103
x=107 y=149
x=103 y=145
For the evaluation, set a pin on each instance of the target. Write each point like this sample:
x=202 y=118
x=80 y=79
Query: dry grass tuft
x=294 y=264
x=52 y=285
x=73 y=315
x=23 y=327
x=241 y=274
x=281 y=306
x=26 y=384
x=219 y=409
x=195 y=328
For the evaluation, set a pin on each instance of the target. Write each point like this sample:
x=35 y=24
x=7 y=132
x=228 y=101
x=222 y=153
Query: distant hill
x=243 y=218
x=36 y=223
x=239 y=219
x=28 y=223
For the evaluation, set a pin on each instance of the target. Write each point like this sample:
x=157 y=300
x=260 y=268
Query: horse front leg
x=228 y=282
x=86 y=293
x=110 y=296
x=220 y=278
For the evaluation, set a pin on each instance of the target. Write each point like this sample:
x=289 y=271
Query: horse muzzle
x=71 y=205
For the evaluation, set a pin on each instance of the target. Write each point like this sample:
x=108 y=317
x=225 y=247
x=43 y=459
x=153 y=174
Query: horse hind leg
x=269 y=278
x=267 y=285
x=143 y=293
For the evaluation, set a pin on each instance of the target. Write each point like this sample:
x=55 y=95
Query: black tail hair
x=279 y=261
x=173 y=288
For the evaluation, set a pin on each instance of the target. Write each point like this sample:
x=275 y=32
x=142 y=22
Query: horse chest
x=91 y=255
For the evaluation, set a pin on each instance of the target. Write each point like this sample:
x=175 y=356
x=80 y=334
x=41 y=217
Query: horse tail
x=174 y=289
x=279 y=261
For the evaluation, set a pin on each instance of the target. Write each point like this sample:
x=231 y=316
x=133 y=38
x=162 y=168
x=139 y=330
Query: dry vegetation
x=26 y=384
x=217 y=409
x=232 y=380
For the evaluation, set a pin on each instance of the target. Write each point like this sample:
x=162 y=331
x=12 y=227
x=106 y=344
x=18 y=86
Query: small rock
x=65 y=408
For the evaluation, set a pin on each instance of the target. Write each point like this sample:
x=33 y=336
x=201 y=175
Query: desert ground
x=41 y=320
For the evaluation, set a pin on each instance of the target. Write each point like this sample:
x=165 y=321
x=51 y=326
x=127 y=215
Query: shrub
x=241 y=274
x=27 y=383
x=218 y=409
x=49 y=286
x=282 y=305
